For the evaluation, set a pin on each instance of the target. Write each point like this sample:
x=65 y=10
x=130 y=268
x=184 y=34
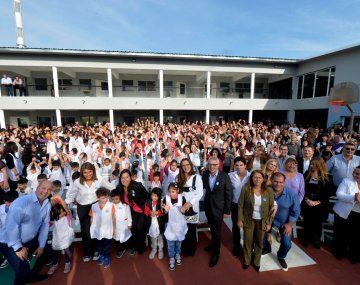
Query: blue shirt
x=212 y=180
x=341 y=168
x=288 y=208
x=27 y=219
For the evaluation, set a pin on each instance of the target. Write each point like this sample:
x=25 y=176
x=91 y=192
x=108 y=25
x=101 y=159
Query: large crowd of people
x=146 y=185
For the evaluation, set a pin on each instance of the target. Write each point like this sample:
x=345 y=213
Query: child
x=106 y=169
x=156 y=183
x=62 y=236
x=56 y=172
x=123 y=221
x=23 y=188
x=155 y=222
x=9 y=197
x=33 y=170
x=115 y=178
x=102 y=224
x=57 y=189
x=177 y=226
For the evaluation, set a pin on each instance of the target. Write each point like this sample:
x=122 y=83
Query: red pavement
x=195 y=270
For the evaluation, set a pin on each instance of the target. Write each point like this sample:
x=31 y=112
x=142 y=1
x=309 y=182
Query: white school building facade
x=67 y=86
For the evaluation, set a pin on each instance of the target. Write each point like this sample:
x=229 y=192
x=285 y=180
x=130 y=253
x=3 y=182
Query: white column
x=58 y=117
x=250 y=116
x=207 y=119
x=291 y=116
x=161 y=117
x=56 y=81
x=252 y=86
x=110 y=85
x=161 y=83
x=111 y=119
x=2 y=119
x=208 y=85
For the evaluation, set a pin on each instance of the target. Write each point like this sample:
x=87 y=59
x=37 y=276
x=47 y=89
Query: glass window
x=300 y=86
x=243 y=89
x=127 y=85
x=322 y=77
x=85 y=83
x=146 y=85
x=309 y=80
x=40 y=83
x=104 y=86
x=182 y=88
x=224 y=87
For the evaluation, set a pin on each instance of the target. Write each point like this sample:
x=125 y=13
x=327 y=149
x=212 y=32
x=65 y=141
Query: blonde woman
x=269 y=169
x=318 y=189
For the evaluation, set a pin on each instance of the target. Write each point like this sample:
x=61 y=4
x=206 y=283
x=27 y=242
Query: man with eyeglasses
x=217 y=203
x=342 y=165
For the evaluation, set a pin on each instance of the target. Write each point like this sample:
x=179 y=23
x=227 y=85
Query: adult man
x=238 y=179
x=294 y=146
x=304 y=161
x=18 y=86
x=342 y=165
x=282 y=155
x=26 y=231
x=217 y=202
x=6 y=82
x=286 y=216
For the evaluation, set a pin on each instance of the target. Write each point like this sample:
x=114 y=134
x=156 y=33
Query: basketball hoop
x=335 y=105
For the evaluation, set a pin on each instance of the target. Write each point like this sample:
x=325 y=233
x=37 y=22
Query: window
x=182 y=88
x=64 y=84
x=224 y=87
x=321 y=85
x=127 y=85
x=104 y=86
x=243 y=89
x=85 y=83
x=40 y=83
x=259 y=87
x=300 y=86
x=309 y=80
x=146 y=85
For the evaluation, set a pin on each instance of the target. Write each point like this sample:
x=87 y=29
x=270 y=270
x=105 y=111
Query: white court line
x=295 y=258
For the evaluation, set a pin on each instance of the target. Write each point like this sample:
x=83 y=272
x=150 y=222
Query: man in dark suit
x=304 y=161
x=217 y=202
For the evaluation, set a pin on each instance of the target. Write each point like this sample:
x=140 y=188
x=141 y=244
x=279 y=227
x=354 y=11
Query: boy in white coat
x=102 y=224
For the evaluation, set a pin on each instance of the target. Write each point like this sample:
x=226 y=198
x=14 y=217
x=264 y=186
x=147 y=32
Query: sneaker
x=178 y=259
x=161 y=254
x=106 y=262
x=67 y=267
x=52 y=269
x=100 y=260
x=283 y=264
x=95 y=256
x=172 y=264
x=132 y=251
x=4 y=264
x=86 y=258
x=120 y=253
x=152 y=254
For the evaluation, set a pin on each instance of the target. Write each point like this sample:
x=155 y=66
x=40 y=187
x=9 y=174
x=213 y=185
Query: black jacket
x=218 y=201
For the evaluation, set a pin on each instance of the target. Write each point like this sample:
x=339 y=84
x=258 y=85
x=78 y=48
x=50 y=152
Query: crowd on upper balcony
x=13 y=87
x=162 y=176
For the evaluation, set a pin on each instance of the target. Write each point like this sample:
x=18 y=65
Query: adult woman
x=318 y=189
x=14 y=164
x=83 y=193
x=255 y=207
x=191 y=186
x=294 y=179
x=135 y=195
x=257 y=161
x=269 y=169
x=347 y=218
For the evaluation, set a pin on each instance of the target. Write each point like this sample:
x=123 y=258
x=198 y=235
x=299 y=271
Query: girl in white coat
x=176 y=227
x=123 y=222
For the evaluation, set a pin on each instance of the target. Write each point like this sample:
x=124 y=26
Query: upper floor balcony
x=102 y=83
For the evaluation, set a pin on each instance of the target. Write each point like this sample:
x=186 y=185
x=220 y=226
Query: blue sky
x=279 y=28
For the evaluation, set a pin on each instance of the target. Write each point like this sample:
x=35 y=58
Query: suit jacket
x=246 y=206
x=300 y=165
x=218 y=201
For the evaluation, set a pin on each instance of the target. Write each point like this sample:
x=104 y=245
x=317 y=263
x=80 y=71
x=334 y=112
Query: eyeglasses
x=213 y=164
x=348 y=148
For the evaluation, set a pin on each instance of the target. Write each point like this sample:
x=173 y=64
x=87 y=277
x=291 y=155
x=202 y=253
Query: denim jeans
x=9 y=90
x=104 y=247
x=23 y=273
x=174 y=248
x=285 y=244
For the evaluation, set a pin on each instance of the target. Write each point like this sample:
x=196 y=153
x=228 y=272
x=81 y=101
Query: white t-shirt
x=257 y=208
